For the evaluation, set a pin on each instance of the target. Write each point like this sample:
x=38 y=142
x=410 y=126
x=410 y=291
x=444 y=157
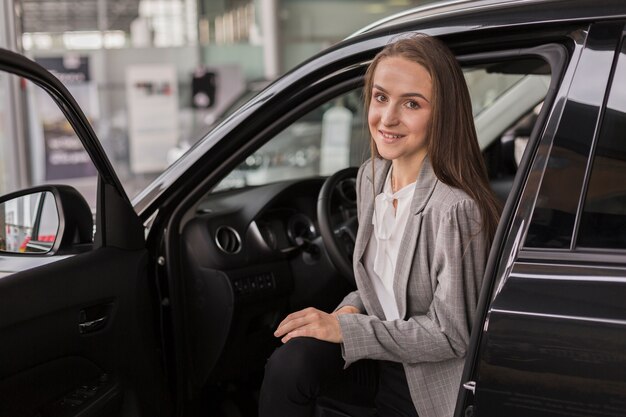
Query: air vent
x=228 y=240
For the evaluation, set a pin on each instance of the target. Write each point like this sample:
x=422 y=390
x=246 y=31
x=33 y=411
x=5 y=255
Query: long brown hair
x=452 y=143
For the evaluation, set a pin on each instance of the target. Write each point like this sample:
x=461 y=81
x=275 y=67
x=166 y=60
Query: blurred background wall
x=200 y=58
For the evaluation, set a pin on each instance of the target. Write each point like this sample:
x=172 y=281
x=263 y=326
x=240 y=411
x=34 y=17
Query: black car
x=169 y=308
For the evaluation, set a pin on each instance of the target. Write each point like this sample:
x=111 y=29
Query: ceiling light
x=114 y=39
x=42 y=40
x=82 y=40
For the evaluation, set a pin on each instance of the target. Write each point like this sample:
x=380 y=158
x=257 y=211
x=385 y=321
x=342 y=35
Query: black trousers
x=305 y=370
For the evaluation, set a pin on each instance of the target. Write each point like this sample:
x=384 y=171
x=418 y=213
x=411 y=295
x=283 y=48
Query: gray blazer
x=437 y=281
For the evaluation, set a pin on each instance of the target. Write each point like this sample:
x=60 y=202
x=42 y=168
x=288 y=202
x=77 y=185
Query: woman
x=427 y=217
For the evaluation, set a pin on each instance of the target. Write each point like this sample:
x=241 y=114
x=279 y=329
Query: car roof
x=494 y=13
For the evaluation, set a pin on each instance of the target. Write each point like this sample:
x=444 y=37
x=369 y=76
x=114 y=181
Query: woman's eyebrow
x=378 y=87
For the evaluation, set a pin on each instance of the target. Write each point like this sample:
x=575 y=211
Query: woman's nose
x=390 y=116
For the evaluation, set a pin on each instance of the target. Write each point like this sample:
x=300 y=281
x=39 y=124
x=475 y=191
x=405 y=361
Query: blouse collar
x=384 y=212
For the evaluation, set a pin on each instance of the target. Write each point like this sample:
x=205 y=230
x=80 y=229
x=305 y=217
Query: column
x=271 y=45
x=14 y=162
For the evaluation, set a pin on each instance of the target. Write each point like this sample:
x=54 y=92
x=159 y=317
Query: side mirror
x=44 y=220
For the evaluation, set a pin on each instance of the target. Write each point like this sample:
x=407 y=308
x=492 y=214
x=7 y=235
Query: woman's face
x=400 y=110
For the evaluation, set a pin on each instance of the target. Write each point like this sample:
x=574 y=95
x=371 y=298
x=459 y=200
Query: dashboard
x=263 y=223
x=250 y=257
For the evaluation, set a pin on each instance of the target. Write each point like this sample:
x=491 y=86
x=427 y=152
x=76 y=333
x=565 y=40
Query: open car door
x=78 y=335
x=549 y=339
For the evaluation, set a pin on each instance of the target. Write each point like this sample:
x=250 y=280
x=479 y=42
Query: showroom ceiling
x=76 y=15
x=57 y=16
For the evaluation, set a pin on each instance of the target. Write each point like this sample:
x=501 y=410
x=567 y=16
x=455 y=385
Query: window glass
x=51 y=153
x=485 y=87
x=57 y=156
x=563 y=174
x=603 y=220
x=505 y=99
x=329 y=138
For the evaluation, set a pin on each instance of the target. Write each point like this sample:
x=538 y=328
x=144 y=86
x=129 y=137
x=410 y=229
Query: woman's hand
x=312 y=322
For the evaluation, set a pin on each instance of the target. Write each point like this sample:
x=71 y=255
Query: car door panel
x=575 y=370
x=54 y=388
x=42 y=333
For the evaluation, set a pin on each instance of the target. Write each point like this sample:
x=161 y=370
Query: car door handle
x=470 y=386
x=92 y=325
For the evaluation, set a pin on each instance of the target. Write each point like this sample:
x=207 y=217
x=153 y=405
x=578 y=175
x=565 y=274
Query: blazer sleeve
x=354 y=298
x=442 y=333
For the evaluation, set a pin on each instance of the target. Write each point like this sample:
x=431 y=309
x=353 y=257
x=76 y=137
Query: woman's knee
x=302 y=359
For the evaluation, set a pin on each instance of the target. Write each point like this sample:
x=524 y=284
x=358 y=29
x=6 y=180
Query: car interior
x=273 y=236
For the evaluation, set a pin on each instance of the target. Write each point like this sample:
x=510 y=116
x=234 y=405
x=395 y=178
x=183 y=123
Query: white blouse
x=382 y=249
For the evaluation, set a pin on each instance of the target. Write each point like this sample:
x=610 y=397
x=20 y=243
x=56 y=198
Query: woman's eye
x=412 y=105
x=380 y=98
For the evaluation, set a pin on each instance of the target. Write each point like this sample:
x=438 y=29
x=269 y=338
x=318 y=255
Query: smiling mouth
x=388 y=135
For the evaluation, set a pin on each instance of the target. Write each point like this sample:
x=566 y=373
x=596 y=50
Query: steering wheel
x=339 y=230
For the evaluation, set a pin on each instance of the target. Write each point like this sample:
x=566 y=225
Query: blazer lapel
x=367 y=202
x=424 y=187
x=366 y=211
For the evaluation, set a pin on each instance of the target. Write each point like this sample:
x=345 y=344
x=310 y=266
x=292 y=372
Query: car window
x=334 y=135
x=55 y=154
x=326 y=139
x=252 y=89
x=486 y=87
x=554 y=217
x=603 y=220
